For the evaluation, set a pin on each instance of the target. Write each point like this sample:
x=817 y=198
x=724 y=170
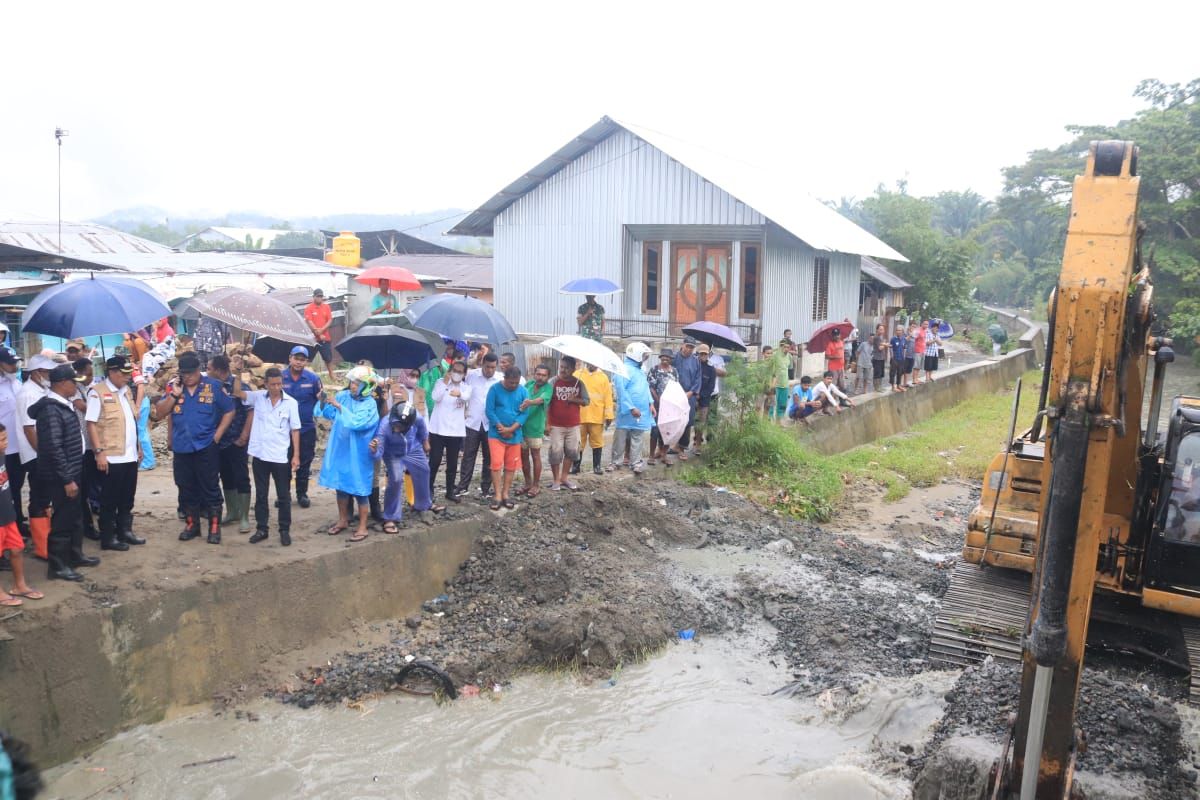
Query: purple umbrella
x=714 y=334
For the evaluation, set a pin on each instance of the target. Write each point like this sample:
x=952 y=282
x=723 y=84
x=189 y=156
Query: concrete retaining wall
x=878 y=415
x=72 y=681
x=1029 y=333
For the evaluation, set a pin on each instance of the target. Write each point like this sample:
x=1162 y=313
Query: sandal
x=336 y=528
x=389 y=527
x=532 y=493
x=437 y=509
x=509 y=504
x=521 y=492
x=358 y=537
x=32 y=594
x=495 y=505
x=11 y=602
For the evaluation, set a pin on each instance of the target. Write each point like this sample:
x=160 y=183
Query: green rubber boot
x=244 y=513
x=231 y=508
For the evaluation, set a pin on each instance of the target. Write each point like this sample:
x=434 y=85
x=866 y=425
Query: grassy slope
x=769 y=464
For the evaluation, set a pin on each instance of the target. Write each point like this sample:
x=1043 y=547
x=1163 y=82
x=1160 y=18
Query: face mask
x=408 y=381
x=456 y=377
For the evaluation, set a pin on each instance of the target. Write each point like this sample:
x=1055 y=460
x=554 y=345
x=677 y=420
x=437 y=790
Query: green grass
x=770 y=464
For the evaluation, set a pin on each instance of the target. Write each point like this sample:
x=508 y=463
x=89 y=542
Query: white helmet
x=637 y=351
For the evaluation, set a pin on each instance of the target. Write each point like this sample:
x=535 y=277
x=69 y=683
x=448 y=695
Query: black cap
x=7 y=356
x=118 y=362
x=318 y=292
x=62 y=372
x=189 y=362
x=666 y=354
x=689 y=340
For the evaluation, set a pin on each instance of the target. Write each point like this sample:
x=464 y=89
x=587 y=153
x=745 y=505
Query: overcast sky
x=302 y=108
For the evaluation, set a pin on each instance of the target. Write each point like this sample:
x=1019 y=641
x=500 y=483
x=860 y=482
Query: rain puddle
x=697 y=721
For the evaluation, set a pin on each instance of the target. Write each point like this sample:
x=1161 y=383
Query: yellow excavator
x=1089 y=522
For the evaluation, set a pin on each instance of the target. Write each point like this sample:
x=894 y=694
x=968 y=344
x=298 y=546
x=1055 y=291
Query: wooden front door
x=700 y=277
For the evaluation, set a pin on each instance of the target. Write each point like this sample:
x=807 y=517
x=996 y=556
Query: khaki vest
x=111 y=425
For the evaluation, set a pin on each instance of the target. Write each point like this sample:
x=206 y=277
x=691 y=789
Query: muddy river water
x=699 y=720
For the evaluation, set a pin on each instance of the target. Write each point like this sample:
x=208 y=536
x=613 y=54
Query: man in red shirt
x=562 y=417
x=319 y=317
x=835 y=358
x=922 y=338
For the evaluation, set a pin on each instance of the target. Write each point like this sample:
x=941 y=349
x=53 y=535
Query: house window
x=820 y=307
x=751 y=296
x=651 y=277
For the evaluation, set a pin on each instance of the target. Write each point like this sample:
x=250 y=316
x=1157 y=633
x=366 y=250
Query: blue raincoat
x=401 y=453
x=347 y=465
x=632 y=392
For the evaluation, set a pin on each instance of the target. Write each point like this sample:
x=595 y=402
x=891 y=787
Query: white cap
x=40 y=362
x=637 y=351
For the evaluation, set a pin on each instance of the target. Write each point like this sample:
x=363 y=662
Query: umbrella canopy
x=944 y=329
x=94 y=306
x=399 y=279
x=590 y=286
x=714 y=334
x=254 y=312
x=821 y=338
x=588 y=351
x=461 y=319
x=390 y=347
x=673 y=413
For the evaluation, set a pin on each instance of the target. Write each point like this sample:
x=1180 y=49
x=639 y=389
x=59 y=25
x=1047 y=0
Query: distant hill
x=157 y=224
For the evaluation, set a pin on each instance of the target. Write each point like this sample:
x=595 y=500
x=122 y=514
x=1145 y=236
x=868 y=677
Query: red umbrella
x=399 y=279
x=821 y=337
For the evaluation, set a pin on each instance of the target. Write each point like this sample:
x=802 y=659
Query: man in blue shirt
x=304 y=386
x=687 y=366
x=896 y=371
x=506 y=415
x=200 y=413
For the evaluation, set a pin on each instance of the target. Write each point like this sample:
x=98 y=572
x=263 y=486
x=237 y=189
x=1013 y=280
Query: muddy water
x=697 y=721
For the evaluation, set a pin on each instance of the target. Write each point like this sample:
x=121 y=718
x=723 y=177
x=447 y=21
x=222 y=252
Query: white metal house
x=688 y=235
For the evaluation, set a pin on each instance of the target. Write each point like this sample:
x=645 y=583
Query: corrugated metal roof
x=460 y=271
x=217 y=262
x=80 y=240
x=15 y=283
x=771 y=192
x=219 y=234
x=876 y=271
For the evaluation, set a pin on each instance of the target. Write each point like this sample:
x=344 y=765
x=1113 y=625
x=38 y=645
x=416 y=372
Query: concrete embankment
x=77 y=672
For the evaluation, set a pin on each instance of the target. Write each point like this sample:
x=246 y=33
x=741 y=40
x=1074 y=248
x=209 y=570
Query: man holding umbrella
x=200 y=413
x=591 y=318
x=304 y=386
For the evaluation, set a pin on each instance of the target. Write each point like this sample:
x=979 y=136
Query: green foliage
x=296 y=239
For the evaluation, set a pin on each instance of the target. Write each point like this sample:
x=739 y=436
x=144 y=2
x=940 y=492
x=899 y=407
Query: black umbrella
x=714 y=334
x=461 y=318
x=390 y=347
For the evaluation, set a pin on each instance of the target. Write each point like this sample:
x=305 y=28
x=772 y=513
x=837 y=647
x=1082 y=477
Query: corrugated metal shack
x=688 y=235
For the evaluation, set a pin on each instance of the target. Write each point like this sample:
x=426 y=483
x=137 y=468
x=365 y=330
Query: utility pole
x=59 y=133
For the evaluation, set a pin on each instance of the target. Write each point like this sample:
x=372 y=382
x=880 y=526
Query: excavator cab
x=1173 y=552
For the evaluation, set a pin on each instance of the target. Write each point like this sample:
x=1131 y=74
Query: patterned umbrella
x=254 y=312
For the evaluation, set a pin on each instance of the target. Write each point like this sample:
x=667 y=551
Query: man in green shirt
x=540 y=392
x=433 y=373
x=591 y=319
x=782 y=360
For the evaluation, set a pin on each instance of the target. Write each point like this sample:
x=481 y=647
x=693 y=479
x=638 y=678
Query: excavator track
x=983 y=614
x=1191 y=638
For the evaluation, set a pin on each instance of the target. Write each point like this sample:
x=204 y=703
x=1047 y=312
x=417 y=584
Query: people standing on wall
x=319 y=317
x=479 y=381
x=235 y=469
x=920 y=345
x=790 y=349
x=590 y=318
x=200 y=412
x=448 y=425
x=274 y=447
x=879 y=354
x=933 y=350
x=304 y=386
x=111 y=426
x=896 y=347
x=835 y=358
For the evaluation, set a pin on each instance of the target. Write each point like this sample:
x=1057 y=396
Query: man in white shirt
x=10 y=388
x=274 y=429
x=830 y=396
x=112 y=435
x=479 y=381
x=35 y=388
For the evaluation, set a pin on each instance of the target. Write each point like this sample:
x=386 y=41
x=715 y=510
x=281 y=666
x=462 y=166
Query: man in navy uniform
x=200 y=412
x=304 y=386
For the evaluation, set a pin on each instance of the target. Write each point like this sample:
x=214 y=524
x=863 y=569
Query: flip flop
x=32 y=594
x=532 y=493
x=389 y=527
x=437 y=509
x=358 y=537
x=495 y=506
x=11 y=602
x=524 y=490
x=509 y=504
x=335 y=529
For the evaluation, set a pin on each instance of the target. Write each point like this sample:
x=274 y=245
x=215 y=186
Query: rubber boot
x=231 y=508
x=244 y=513
x=575 y=465
x=214 y=526
x=597 y=457
x=125 y=530
x=39 y=527
x=376 y=510
x=191 y=529
x=302 y=494
x=59 y=563
x=285 y=537
x=109 y=539
x=76 y=558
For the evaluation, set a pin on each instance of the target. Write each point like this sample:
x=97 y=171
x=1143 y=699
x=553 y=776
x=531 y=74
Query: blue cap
x=300 y=350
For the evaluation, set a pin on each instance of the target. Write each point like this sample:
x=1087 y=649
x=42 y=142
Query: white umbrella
x=587 y=350
x=673 y=413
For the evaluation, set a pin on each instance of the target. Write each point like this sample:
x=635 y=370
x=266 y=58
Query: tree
x=296 y=239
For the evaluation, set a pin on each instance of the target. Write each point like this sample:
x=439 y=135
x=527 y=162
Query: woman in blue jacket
x=347 y=466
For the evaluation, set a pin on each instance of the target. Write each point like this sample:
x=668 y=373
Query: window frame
x=758 y=260
x=820 y=303
x=657 y=311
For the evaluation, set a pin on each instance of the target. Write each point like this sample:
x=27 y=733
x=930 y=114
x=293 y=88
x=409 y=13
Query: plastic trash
x=687 y=635
x=469 y=690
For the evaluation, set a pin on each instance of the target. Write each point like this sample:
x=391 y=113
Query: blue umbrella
x=389 y=347
x=94 y=306
x=460 y=318
x=590 y=286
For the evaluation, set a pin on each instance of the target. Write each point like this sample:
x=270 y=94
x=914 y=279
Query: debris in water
x=688 y=634
x=469 y=690
x=217 y=760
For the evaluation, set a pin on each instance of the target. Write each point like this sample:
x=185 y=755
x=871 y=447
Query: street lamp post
x=59 y=133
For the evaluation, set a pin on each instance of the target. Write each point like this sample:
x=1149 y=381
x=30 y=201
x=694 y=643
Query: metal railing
x=618 y=328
